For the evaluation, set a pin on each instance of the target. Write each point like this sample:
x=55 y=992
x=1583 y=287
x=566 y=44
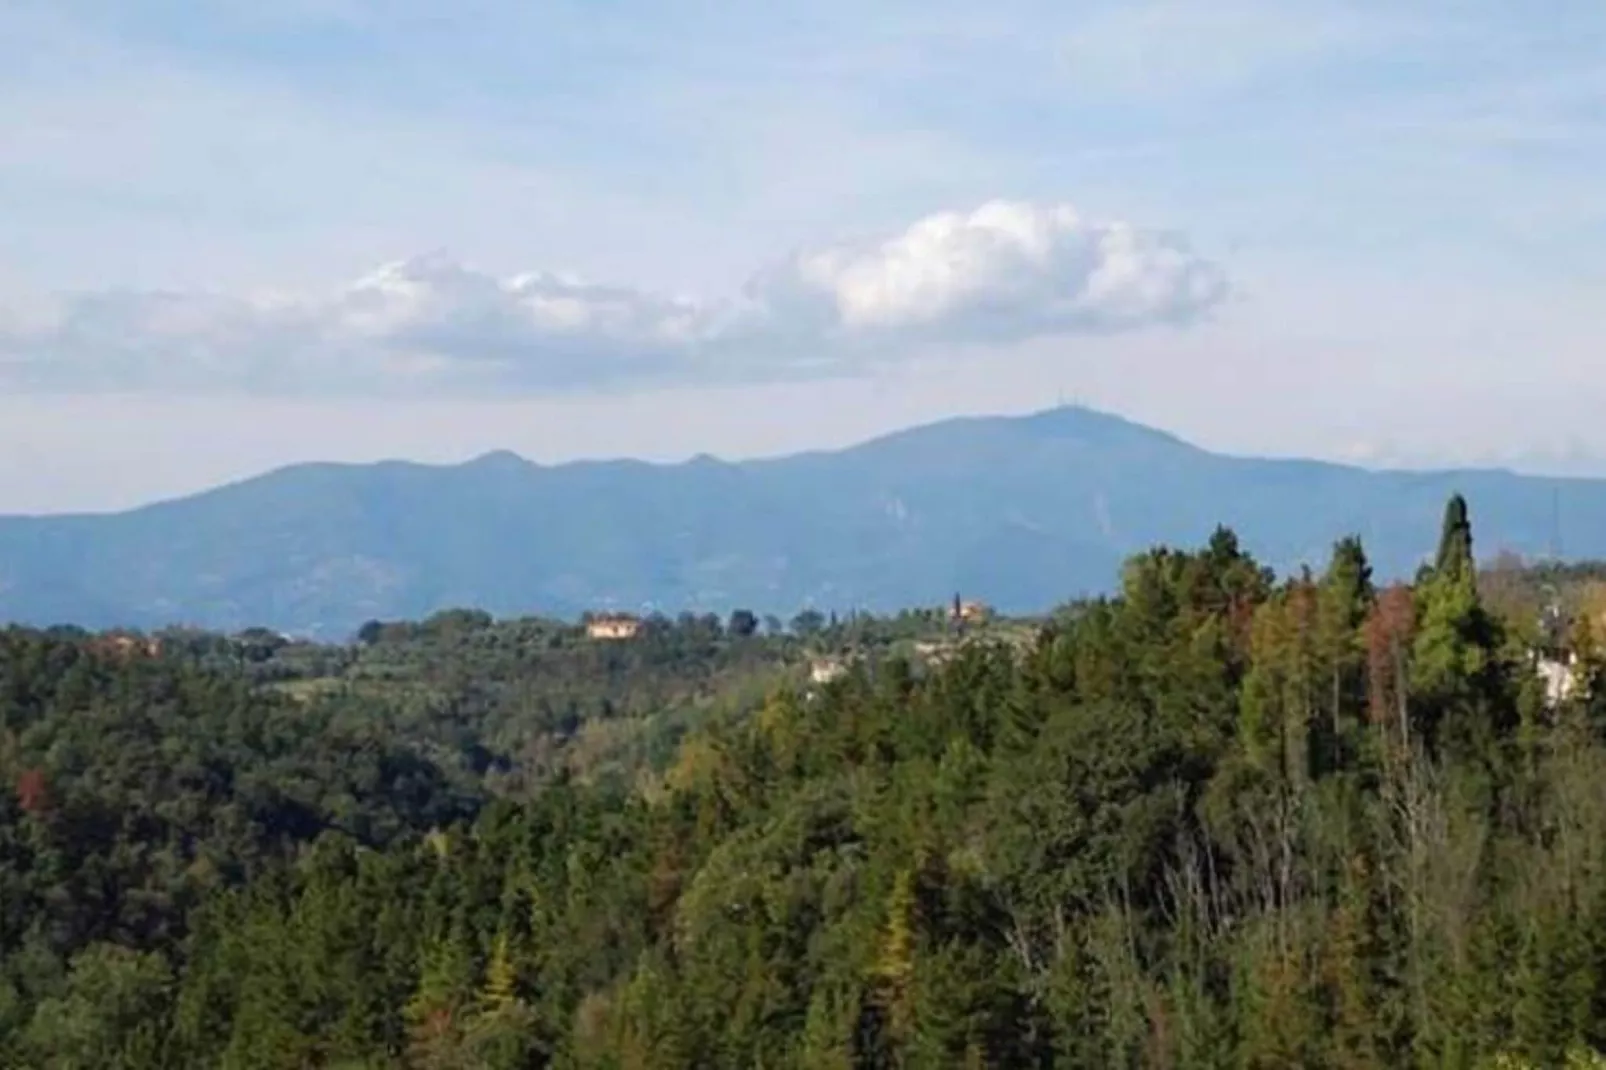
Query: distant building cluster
x=1560 y=675
x=824 y=670
x=966 y=612
x=1557 y=661
x=123 y=646
x=613 y=626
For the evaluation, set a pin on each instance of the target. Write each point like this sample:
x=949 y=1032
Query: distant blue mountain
x=1022 y=512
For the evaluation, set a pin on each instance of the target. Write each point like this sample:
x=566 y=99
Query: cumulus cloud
x=1003 y=273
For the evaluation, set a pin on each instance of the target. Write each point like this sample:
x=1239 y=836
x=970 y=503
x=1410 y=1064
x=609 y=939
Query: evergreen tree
x=1344 y=600
x=895 y=961
x=1458 y=682
x=1455 y=541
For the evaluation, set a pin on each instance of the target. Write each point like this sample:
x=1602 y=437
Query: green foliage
x=111 y=1013
x=1216 y=821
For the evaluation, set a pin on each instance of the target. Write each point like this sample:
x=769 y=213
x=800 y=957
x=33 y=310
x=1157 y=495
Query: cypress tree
x=1455 y=540
x=1456 y=666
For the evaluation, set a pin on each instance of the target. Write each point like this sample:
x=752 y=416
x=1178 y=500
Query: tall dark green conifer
x=1455 y=540
x=1456 y=666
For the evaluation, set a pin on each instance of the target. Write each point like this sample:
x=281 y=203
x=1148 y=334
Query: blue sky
x=234 y=234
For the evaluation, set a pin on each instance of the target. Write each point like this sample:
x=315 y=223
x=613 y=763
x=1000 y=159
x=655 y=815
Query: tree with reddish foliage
x=33 y=791
x=1389 y=630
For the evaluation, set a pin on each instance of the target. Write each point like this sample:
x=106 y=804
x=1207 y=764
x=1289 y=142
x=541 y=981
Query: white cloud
x=1004 y=273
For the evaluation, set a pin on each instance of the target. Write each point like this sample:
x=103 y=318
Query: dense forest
x=1219 y=820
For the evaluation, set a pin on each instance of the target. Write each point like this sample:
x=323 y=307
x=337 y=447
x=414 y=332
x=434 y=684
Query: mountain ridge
x=1022 y=511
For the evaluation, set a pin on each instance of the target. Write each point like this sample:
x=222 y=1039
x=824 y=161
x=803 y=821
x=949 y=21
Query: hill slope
x=1021 y=511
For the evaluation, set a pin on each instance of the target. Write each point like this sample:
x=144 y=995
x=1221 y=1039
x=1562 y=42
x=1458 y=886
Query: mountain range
x=1022 y=512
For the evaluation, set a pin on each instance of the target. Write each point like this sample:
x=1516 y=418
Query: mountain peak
x=1081 y=421
x=1071 y=425
x=498 y=460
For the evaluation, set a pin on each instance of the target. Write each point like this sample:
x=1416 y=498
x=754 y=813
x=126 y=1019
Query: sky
x=235 y=235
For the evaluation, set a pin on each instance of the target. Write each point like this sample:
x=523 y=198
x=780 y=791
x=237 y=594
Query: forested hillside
x=1219 y=819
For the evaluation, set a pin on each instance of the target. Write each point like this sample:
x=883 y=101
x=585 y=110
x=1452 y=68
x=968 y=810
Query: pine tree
x=1280 y=699
x=894 y=965
x=1344 y=598
x=1262 y=718
x=434 y=1014
x=501 y=977
x=826 y=1042
x=1351 y=969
